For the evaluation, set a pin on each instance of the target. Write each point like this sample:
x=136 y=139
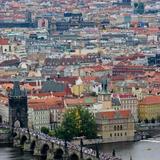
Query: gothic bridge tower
x=18 y=107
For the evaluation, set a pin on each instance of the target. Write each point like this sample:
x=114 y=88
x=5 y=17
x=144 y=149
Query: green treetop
x=77 y=122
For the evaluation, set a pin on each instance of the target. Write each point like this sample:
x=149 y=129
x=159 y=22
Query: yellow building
x=115 y=125
x=79 y=88
x=149 y=108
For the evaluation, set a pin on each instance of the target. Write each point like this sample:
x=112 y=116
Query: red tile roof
x=150 y=100
x=4 y=41
x=114 y=114
x=56 y=94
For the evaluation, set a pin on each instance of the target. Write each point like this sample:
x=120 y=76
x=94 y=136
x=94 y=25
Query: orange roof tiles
x=150 y=100
x=113 y=114
x=46 y=103
x=56 y=94
x=47 y=100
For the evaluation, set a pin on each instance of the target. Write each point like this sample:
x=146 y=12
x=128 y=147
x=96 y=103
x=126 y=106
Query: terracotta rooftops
x=115 y=114
x=4 y=41
x=151 y=100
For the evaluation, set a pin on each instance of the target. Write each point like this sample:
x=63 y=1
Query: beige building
x=45 y=116
x=115 y=125
x=45 y=112
x=38 y=118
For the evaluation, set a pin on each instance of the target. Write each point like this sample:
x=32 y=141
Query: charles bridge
x=51 y=148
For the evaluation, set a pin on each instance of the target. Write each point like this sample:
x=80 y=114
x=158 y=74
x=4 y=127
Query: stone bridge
x=51 y=148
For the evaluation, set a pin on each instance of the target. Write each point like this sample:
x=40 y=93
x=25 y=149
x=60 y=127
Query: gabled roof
x=52 y=86
x=115 y=114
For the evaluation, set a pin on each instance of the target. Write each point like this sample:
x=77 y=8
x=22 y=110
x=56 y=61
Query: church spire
x=16 y=91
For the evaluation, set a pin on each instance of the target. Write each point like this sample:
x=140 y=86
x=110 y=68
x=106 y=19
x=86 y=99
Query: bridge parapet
x=52 y=148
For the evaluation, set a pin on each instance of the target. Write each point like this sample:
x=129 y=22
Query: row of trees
x=77 y=122
x=153 y=120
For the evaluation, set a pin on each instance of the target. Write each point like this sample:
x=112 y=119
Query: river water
x=142 y=150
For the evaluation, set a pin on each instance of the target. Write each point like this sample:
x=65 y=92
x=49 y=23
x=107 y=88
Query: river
x=142 y=150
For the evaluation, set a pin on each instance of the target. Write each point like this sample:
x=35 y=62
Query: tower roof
x=16 y=91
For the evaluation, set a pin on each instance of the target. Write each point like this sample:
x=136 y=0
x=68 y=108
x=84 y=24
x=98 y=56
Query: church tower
x=104 y=96
x=18 y=107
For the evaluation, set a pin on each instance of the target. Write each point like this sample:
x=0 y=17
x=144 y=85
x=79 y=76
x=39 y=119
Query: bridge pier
x=26 y=146
x=65 y=156
x=50 y=155
x=16 y=143
x=37 y=152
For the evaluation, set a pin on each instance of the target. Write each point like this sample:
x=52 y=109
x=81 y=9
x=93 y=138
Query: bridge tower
x=18 y=107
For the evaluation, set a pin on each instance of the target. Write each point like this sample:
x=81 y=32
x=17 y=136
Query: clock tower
x=18 y=107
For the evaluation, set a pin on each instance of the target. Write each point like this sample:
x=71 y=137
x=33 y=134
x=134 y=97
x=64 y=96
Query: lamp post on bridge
x=65 y=146
x=97 y=146
x=29 y=134
x=81 y=145
x=97 y=151
x=65 y=150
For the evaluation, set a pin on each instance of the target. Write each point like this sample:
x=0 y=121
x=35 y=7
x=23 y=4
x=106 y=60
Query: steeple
x=104 y=85
x=16 y=91
x=104 y=96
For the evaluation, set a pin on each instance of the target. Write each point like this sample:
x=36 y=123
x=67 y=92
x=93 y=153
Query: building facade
x=115 y=125
x=149 y=108
x=18 y=107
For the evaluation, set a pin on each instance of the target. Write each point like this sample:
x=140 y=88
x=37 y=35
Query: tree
x=146 y=121
x=51 y=133
x=158 y=118
x=88 y=124
x=45 y=130
x=153 y=120
x=68 y=128
x=77 y=122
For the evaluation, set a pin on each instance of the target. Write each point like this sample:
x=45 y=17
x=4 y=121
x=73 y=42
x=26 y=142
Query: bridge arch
x=44 y=150
x=32 y=146
x=74 y=156
x=58 y=154
x=23 y=140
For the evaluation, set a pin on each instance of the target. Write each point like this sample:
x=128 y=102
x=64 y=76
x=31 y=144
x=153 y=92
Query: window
x=115 y=134
x=120 y=127
x=121 y=134
x=125 y=133
x=111 y=135
x=115 y=128
x=9 y=48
